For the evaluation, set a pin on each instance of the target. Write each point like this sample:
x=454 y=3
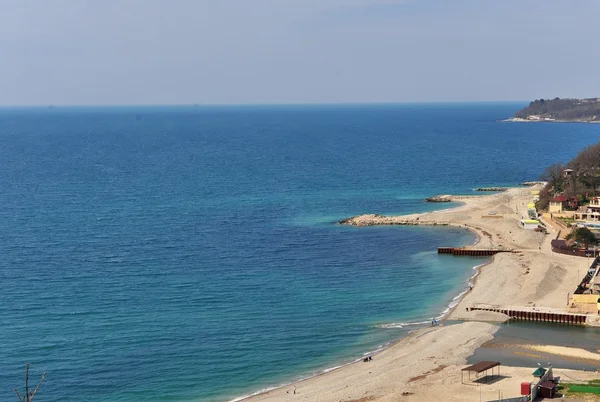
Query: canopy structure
x=479 y=368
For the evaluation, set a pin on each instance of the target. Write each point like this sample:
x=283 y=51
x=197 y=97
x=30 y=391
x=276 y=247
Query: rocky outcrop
x=439 y=198
x=532 y=183
x=376 y=219
x=496 y=189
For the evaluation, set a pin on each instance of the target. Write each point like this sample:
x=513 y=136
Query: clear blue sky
x=79 y=52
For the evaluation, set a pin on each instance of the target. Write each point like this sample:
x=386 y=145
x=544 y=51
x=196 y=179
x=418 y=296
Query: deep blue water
x=183 y=253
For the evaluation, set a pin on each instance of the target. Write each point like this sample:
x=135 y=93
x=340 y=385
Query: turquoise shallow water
x=191 y=253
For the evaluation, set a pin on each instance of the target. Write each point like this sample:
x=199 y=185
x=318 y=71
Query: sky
x=123 y=52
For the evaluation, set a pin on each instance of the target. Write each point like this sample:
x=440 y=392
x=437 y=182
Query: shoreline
x=501 y=278
x=443 y=316
x=521 y=120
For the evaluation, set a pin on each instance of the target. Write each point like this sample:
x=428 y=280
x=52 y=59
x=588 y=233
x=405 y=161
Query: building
x=530 y=224
x=557 y=204
x=531 y=211
x=589 y=213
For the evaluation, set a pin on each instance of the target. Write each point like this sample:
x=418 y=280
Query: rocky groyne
x=496 y=189
x=439 y=198
x=376 y=219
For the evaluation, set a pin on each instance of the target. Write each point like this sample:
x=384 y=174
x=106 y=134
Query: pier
x=534 y=314
x=474 y=252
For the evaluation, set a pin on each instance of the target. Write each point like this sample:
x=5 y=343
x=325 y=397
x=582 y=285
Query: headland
x=560 y=110
x=430 y=360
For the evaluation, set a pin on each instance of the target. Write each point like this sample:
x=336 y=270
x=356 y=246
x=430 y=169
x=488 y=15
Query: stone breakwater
x=376 y=219
x=451 y=198
x=497 y=189
x=439 y=198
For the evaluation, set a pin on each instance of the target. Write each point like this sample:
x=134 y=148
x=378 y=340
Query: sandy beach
x=426 y=366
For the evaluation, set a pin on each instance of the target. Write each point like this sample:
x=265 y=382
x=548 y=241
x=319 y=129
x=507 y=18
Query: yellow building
x=557 y=204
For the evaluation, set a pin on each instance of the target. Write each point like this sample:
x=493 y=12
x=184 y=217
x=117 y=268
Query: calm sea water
x=173 y=254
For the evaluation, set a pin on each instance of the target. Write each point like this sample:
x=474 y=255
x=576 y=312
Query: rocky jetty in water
x=532 y=183
x=496 y=189
x=439 y=198
x=376 y=219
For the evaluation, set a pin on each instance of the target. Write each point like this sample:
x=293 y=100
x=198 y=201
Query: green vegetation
x=563 y=109
x=583 y=236
x=590 y=391
x=567 y=220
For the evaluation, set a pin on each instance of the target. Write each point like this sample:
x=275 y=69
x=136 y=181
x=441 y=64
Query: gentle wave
x=459 y=297
x=402 y=324
x=455 y=300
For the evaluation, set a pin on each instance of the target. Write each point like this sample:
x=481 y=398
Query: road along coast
x=429 y=360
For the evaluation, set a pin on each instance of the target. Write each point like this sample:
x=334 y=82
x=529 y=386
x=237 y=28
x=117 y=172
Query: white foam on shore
x=316 y=374
x=262 y=391
x=401 y=324
x=459 y=297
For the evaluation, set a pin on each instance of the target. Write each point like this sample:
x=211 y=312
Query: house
x=589 y=213
x=557 y=204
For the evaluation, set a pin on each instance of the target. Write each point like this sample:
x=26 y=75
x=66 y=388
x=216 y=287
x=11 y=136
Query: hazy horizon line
x=201 y=105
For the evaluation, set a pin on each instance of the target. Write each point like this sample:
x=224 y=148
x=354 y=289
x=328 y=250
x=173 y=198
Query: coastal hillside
x=580 y=110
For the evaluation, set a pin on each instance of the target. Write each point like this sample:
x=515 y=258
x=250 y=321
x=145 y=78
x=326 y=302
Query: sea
x=191 y=253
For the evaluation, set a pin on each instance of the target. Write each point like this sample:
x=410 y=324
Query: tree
x=587 y=167
x=554 y=174
x=583 y=235
x=28 y=397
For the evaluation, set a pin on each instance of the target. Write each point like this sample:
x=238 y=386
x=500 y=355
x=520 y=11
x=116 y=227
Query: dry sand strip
x=531 y=276
x=423 y=367
x=563 y=351
x=426 y=365
x=400 y=369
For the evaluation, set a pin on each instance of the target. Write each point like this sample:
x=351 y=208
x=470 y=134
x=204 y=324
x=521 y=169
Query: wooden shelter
x=478 y=368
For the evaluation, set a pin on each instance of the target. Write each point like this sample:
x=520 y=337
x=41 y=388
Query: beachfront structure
x=530 y=224
x=557 y=204
x=531 y=211
x=590 y=212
